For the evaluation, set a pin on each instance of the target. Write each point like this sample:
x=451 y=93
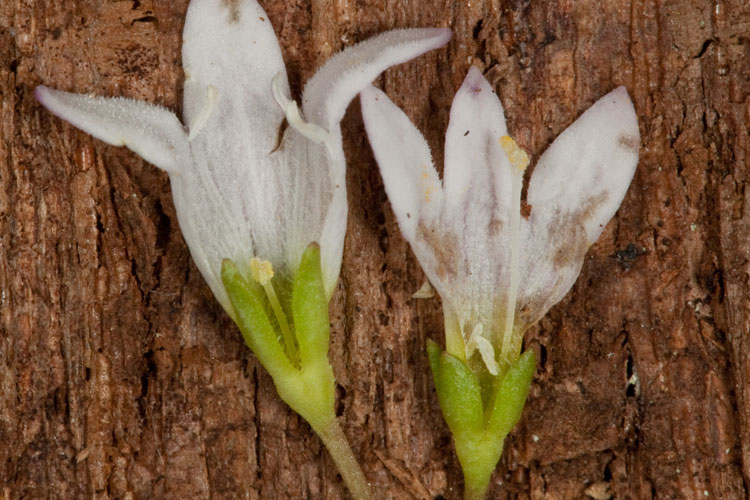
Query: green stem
x=335 y=441
x=475 y=488
x=478 y=455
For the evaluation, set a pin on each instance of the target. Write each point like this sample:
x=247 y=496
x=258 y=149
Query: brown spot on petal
x=234 y=10
x=495 y=226
x=444 y=245
x=589 y=208
x=568 y=242
x=629 y=142
x=567 y=237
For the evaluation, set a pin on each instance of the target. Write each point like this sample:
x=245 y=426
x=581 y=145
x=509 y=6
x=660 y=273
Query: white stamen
x=519 y=160
x=212 y=97
x=315 y=133
x=478 y=342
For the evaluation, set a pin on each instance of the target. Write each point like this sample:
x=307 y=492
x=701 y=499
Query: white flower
x=239 y=193
x=499 y=271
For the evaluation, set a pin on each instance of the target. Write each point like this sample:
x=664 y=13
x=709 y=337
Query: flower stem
x=335 y=441
x=476 y=488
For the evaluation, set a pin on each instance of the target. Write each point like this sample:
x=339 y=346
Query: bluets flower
x=498 y=270
x=239 y=190
x=262 y=210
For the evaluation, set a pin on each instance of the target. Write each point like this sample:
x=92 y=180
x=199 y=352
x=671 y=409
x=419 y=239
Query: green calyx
x=295 y=352
x=299 y=365
x=479 y=425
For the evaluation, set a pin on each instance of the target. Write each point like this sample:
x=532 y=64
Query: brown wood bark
x=121 y=377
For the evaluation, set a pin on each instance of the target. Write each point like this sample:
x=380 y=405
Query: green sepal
x=459 y=394
x=511 y=395
x=479 y=434
x=315 y=393
x=308 y=385
x=310 y=389
x=310 y=308
x=253 y=322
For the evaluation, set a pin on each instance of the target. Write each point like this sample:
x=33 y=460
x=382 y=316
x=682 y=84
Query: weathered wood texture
x=121 y=377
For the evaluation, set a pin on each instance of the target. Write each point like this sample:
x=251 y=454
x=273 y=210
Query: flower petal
x=229 y=204
x=153 y=132
x=325 y=99
x=411 y=181
x=330 y=91
x=317 y=210
x=230 y=55
x=474 y=159
x=478 y=183
x=576 y=187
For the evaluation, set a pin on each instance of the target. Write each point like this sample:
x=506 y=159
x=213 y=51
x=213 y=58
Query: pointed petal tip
x=620 y=97
x=435 y=37
x=441 y=35
x=473 y=75
x=618 y=106
x=475 y=83
x=46 y=96
x=621 y=92
x=40 y=92
x=329 y=91
x=51 y=99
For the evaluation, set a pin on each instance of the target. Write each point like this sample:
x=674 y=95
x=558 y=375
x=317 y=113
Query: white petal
x=325 y=99
x=473 y=156
x=230 y=54
x=411 y=181
x=478 y=197
x=415 y=192
x=311 y=199
x=229 y=205
x=575 y=189
x=153 y=132
x=329 y=92
x=332 y=236
x=587 y=169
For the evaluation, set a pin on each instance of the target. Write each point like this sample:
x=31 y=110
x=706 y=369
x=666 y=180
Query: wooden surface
x=121 y=377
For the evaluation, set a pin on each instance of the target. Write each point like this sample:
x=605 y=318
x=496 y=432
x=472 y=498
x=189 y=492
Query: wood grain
x=121 y=377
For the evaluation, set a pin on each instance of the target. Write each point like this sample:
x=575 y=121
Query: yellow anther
x=517 y=156
x=261 y=270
